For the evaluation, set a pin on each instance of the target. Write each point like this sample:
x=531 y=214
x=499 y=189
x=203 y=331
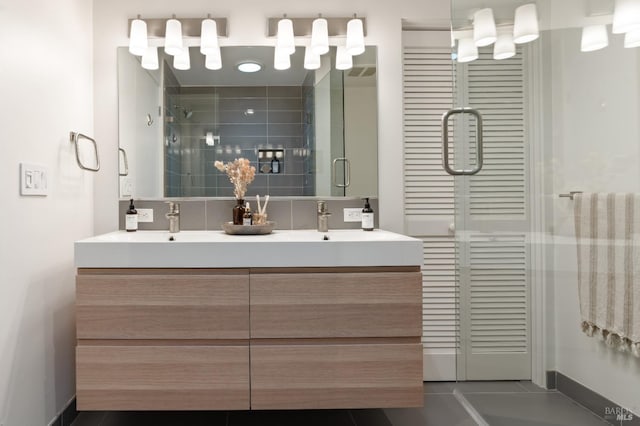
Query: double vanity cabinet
x=164 y=327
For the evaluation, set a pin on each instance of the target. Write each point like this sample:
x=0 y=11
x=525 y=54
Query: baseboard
x=67 y=415
x=593 y=401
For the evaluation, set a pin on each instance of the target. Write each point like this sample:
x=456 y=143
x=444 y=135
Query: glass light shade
x=626 y=16
x=344 y=61
x=249 y=66
x=285 y=41
x=594 y=37
x=484 y=27
x=467 y=50
x=182 y=61
x=209 y=139
x=213 y=61
x=138 y=41
x=281 y=60
x=504 y=48
x=173 y=37
x=311 y=60
x=150 y=58
x=355 y=37
x=525 y=24
x=632 y=39
x=209 y=37
x=320 y=36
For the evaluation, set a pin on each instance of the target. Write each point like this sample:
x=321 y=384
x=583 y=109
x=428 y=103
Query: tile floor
x=498 y=403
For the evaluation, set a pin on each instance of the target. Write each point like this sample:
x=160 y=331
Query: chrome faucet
x=323 y=217
x=174 y=217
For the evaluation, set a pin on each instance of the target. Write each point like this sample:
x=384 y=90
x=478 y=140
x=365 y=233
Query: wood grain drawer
x=336 y=376
x=162 y=377
x=335 y=304
x=161 y=305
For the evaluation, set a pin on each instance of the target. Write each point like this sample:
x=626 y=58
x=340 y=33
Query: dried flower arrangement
x=241 y=173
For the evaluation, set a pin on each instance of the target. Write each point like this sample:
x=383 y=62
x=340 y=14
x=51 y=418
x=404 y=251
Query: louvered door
x=475 y=283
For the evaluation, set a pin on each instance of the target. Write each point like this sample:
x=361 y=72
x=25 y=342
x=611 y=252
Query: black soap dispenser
x=367 y=216
x=275 y=164
x=131 y=218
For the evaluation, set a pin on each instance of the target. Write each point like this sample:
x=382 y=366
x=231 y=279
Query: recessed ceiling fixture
x=484 y=27
x=138 y=41
x=249 y=66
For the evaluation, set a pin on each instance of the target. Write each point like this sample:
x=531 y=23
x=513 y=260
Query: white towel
x=608 y=238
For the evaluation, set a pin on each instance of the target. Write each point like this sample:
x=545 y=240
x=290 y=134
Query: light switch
x=34 y=180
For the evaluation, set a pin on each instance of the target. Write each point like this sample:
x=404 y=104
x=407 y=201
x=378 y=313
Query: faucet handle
x=322 y=207
x=173 y=207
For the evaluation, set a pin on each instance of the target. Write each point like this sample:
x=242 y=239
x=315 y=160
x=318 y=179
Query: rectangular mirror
x=307 y=132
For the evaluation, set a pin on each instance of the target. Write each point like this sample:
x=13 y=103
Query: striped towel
x=608 y=239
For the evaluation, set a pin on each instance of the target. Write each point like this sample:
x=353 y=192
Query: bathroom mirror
x=308 y=133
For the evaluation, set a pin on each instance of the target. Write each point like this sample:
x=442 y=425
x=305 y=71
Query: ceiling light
x=281 y=60
x=209 y=37
x=181 y=61
x=632 y=39
x=344 y=61
x=249 y=66
x=320 y=36
x=504 y=47
x=626 y=16
x=150 y=58
x=355 y=37
x=213 y=61
x=467 y=50
x=311 y=60
x=285 y=41
x=484 y=27
x=594 y=37
x=525 y=25
x=173 y=37
x=138 y=41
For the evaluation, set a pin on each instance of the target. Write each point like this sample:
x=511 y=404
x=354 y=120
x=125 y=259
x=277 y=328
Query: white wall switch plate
x=145 y=215
x=126 y=187
x=34 y=179
x=352 y=215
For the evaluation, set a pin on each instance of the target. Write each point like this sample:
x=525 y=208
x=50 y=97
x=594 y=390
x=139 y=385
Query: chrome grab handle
x=74 y=137
x=347 y=172
x=445 y=142
x=126 y=163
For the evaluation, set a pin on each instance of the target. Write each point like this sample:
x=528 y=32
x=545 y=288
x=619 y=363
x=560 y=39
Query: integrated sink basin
x=215 y=249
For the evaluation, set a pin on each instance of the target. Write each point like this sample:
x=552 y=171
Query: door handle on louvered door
x=445 y=142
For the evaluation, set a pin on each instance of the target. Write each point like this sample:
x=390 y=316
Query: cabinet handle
x=126 y=163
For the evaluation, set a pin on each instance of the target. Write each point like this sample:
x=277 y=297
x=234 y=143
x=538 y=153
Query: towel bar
x=74 y=137
x=570 y=195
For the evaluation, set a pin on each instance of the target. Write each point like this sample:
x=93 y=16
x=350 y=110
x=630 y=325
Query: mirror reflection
x=307 y=132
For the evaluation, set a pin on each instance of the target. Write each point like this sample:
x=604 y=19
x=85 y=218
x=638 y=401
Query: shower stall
x=491 y=186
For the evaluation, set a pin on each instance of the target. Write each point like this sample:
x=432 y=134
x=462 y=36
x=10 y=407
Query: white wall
x=46 y=85
x=247 y=26
x=596 y=148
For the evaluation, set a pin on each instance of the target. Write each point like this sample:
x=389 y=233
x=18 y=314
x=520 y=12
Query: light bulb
x=355 y=37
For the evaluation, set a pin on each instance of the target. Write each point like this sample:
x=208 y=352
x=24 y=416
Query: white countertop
x=215 y=249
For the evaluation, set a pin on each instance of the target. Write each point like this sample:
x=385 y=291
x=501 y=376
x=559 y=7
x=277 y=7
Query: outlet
x=353 y=215
x=34 y=180
x=145 y=215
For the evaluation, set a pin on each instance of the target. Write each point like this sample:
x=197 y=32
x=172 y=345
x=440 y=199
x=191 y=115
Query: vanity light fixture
x=209 y=37
x=594 y=37
x=281 y=60
x=173 y=43
x=320 y=36
x=484 y=27
x=284 y=39
x=182 y=61
x=249 y=66
x=149 y=60
x=467 y=50
x=344 y=61
x=626 y=16
x=213 y=61
x=504 y=48
x=355 y=37
x=525 y=24
x=632 y=39
x=311 y=60
x=138 y=41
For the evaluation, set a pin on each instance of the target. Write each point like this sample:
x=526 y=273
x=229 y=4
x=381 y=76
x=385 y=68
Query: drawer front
x=381 y=304
x=154 y=306
x=162 y=377
x=336 y=376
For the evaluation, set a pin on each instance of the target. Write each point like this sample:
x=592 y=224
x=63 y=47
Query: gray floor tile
x=291 y=418
x=438 y=410
x=472 y=387
x=529 y=409
x=530 y=387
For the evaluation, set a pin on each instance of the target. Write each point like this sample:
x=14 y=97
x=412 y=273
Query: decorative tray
x=232 y=229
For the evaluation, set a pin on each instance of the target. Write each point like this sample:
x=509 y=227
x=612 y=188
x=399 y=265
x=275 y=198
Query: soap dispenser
x=367 y=216
x=131 y=218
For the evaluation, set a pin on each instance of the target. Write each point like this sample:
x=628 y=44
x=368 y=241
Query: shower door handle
x=445 y=142
x=347 y=172
x=126 y=163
